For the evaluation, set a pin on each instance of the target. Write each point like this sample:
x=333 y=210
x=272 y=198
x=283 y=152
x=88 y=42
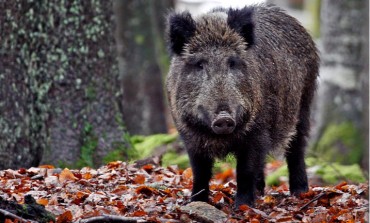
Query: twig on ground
x=313 y=200
x=196 y=193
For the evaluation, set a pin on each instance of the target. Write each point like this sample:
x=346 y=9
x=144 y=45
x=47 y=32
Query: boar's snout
x=223 y=123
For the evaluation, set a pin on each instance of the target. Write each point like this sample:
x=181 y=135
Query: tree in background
x=59 y=83
x=342 y=107
x=140 y=28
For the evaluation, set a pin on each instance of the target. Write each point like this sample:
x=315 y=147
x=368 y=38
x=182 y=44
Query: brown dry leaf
x=217 y=197
x=255 y=220
x=87 y=176
x=270 y=200
x=66 y=217
x=47 y=166
x=146 y=190
x=114 y=164
x=340 y=185
x=42 y=201
x=187 y=174
x=79 y=197
x=139 y=179
x=90 y=214
x=120 y=189
x=139 y=213
x=244 y=207
x=22 y=171
x=67 y=175
x=148 y=167
x=12 y=174
x=225 y=175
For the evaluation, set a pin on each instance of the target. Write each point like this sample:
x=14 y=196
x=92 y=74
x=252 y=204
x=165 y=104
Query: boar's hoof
x=223 y=124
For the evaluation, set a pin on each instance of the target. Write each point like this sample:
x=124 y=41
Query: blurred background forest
x=82 y=82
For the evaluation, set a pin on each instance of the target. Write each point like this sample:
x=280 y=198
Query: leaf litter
x=151 y=193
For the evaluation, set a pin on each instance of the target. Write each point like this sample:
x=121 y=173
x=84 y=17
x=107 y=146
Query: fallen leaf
x=66 y=175
x=187 y=174
x=42 y=201
x=225 y=175
x=47 y=166
x=66 y=217
x=148 y=191
x=244 y=207
x=139 y=213
x=139 y=179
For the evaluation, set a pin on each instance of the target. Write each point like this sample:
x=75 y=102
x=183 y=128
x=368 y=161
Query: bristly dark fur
x=242 y=81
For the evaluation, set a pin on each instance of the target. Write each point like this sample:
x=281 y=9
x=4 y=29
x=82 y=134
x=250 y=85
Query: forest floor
x=122 y=192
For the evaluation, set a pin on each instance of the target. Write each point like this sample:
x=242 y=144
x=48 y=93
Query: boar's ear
x=180 y=28
x=241 y=21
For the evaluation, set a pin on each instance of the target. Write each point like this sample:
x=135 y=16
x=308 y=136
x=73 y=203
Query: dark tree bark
x=59 y=83
x=340 y=114
x=140 y=45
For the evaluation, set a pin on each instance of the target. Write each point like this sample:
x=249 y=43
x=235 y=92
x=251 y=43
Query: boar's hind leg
x=249 y=170
x=295 y=152
x=202 y=173
x=297 y=168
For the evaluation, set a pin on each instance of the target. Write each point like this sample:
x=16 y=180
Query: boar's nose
x=223 y=123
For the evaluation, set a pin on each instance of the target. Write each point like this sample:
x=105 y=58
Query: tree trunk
x=339 y=119
x=140 y=44
x=59 y=83
x=365 y=88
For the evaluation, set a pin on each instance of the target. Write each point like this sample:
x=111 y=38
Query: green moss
x=341 y=143
x=121 y=151
x=336 y=172
x=331 y=173
x=141 y=147
x=145 y=145
x=273 y=179
x=173 y=158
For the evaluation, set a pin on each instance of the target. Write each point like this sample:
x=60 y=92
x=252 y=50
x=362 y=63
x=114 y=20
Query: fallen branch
x=313 y=200
x=7 y=214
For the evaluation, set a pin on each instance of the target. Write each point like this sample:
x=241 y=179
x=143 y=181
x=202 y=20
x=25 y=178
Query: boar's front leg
x=249 y=169
x=202 y=172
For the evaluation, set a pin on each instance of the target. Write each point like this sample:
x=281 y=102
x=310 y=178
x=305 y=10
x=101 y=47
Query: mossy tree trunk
x=340 y=116
x=59 y=83
x=140 y=55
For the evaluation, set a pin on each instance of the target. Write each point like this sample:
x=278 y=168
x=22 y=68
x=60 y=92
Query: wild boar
x=241 y=81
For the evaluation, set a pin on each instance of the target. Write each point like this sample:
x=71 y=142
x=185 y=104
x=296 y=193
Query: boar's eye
x=200 y=65
x=197 y=63
x=234 y=62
